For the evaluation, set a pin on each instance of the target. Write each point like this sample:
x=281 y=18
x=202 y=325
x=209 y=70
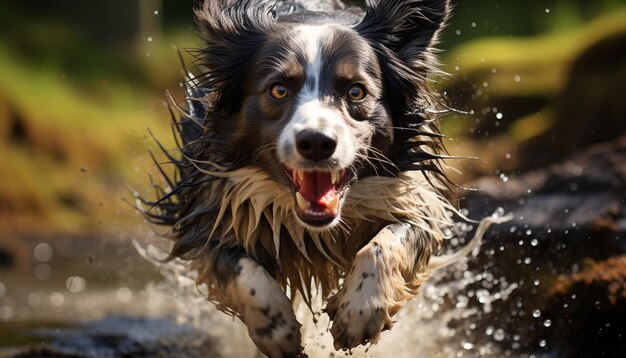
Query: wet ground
x=92 y=297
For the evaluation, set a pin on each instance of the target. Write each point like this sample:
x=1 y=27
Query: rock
x=564 y=215
x=580 y=201
x=124 y=337
x=589 y=309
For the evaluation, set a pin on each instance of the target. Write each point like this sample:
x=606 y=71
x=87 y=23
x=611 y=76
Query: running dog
x=310 y=161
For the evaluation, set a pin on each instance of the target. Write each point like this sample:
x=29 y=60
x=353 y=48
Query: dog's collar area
x=317 y=194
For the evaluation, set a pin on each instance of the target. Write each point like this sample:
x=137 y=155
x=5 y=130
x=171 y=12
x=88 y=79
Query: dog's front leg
x=241 y=285
x=384 y=275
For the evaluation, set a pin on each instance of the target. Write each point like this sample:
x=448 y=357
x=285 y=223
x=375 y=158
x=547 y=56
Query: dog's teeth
x=303 y=204
x=300 y=175
x=334 y=176
x=332 y=205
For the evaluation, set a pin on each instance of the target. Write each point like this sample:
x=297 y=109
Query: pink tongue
x=317 y=188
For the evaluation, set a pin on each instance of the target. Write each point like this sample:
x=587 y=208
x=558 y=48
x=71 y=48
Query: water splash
x=441 y=321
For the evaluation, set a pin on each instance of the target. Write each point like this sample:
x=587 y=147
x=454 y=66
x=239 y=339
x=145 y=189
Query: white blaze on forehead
x=311 y=39
x=310 y=112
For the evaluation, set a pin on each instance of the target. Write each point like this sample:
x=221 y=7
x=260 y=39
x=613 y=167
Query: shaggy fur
x=234 y=205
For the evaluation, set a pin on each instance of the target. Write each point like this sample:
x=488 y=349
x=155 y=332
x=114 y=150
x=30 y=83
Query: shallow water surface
x=96 y=297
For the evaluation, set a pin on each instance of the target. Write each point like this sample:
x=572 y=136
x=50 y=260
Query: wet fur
x=231 y=214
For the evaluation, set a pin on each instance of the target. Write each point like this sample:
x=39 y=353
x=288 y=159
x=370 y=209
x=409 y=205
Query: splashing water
x=441 y=321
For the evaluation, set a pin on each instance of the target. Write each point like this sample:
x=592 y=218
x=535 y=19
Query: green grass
x=79 y=147
x=540 y=62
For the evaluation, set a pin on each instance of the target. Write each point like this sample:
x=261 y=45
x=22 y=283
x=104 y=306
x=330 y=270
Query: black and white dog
x=311 y=162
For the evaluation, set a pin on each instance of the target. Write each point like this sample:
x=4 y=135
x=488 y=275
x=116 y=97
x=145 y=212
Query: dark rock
x=124 y=337
x=564 y=215
x=588 y=110
x=589 y=307
x=581 y=201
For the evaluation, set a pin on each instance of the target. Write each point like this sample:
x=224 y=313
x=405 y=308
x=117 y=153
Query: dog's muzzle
x=318 y=192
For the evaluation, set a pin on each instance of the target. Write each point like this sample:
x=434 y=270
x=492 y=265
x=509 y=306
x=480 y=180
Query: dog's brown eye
x=356 y=92
x=279 y=91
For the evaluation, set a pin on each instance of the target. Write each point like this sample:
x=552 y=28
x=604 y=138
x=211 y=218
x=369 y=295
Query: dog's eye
x=356 y=93
x=279 y=91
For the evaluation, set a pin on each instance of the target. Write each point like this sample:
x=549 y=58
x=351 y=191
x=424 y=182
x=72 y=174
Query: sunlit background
x=538 y=90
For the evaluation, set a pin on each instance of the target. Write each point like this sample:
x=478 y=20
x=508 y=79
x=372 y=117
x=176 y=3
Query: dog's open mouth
x=318 y=194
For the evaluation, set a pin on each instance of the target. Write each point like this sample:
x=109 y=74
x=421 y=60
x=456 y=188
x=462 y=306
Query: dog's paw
x=372 y=293
x=267 y=313
x=358 y=318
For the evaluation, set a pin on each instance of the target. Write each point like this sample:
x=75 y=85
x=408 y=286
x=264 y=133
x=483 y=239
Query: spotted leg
x=239 y=284
x=385 y=274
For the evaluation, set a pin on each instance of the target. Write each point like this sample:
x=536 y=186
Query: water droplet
x=536 y=282
x=499 y=115
x=529 y=232
x=149 y=38
x=536 y=313
x=6 y=312
x=517 y=78
x=507 y=155
x=527 y=260
x=43 y=272
x=473 y=24
x=156 y=12
x=547 y=323
x=467 y=345
x=534 y=242
x=462 y=301
x=34 y=299
x=57 y=299
x=124 y=294
x=547 y=11
x=542 y=343
x=458 y=32
x=43 y=252
x=499 y=335
x=489 y=331
x=75 y=284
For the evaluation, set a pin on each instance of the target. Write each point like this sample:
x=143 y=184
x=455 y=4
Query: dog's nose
x=316 y=145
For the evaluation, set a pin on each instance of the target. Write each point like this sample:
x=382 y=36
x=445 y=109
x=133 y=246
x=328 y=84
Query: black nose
x=315 y=145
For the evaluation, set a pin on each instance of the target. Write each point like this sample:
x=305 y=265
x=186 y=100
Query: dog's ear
x=408 y=28
x=233 y=31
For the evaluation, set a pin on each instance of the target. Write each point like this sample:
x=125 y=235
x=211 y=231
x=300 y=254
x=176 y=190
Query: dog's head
x=319 y=101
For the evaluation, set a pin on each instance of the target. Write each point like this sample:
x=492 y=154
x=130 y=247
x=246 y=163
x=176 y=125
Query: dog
x=311 y=161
